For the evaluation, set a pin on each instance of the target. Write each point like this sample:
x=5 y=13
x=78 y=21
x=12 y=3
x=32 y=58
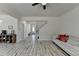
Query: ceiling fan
x=43 y=4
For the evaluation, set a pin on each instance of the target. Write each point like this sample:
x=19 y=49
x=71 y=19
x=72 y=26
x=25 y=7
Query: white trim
x=44 y=39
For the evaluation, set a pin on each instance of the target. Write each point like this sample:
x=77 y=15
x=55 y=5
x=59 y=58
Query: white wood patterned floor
x=25 y=48
x=42 y=48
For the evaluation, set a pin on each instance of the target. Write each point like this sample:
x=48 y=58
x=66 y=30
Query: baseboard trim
x=44 y=39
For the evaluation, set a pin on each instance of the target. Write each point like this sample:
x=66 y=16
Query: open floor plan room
x=39 y=29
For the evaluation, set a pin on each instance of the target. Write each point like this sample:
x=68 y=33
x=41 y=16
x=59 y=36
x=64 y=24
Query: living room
x=17 y=19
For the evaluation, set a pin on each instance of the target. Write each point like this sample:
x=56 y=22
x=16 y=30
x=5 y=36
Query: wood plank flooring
x=25 y=48
x=41 y=48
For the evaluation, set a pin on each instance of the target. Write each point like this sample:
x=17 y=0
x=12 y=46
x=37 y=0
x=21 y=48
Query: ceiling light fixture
x=43 y=4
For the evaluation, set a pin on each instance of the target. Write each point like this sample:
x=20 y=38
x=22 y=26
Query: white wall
x=70 y=22
x=27 y=29
x=50 y=28
x=5 y=21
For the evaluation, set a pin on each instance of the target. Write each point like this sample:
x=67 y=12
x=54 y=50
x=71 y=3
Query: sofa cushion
x=73 y=41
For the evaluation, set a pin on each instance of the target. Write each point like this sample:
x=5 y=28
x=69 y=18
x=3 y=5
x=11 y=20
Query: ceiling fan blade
x=35 y=4
x=44 y=7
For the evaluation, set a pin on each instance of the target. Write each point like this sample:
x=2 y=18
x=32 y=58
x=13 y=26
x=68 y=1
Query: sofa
x=71 y=46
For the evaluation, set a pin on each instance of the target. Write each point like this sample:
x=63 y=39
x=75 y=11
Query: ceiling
x=26 y=9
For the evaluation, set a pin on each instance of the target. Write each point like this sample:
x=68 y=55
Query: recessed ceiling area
x=26 y=9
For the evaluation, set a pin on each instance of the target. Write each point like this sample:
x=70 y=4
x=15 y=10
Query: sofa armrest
x=71 y=50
